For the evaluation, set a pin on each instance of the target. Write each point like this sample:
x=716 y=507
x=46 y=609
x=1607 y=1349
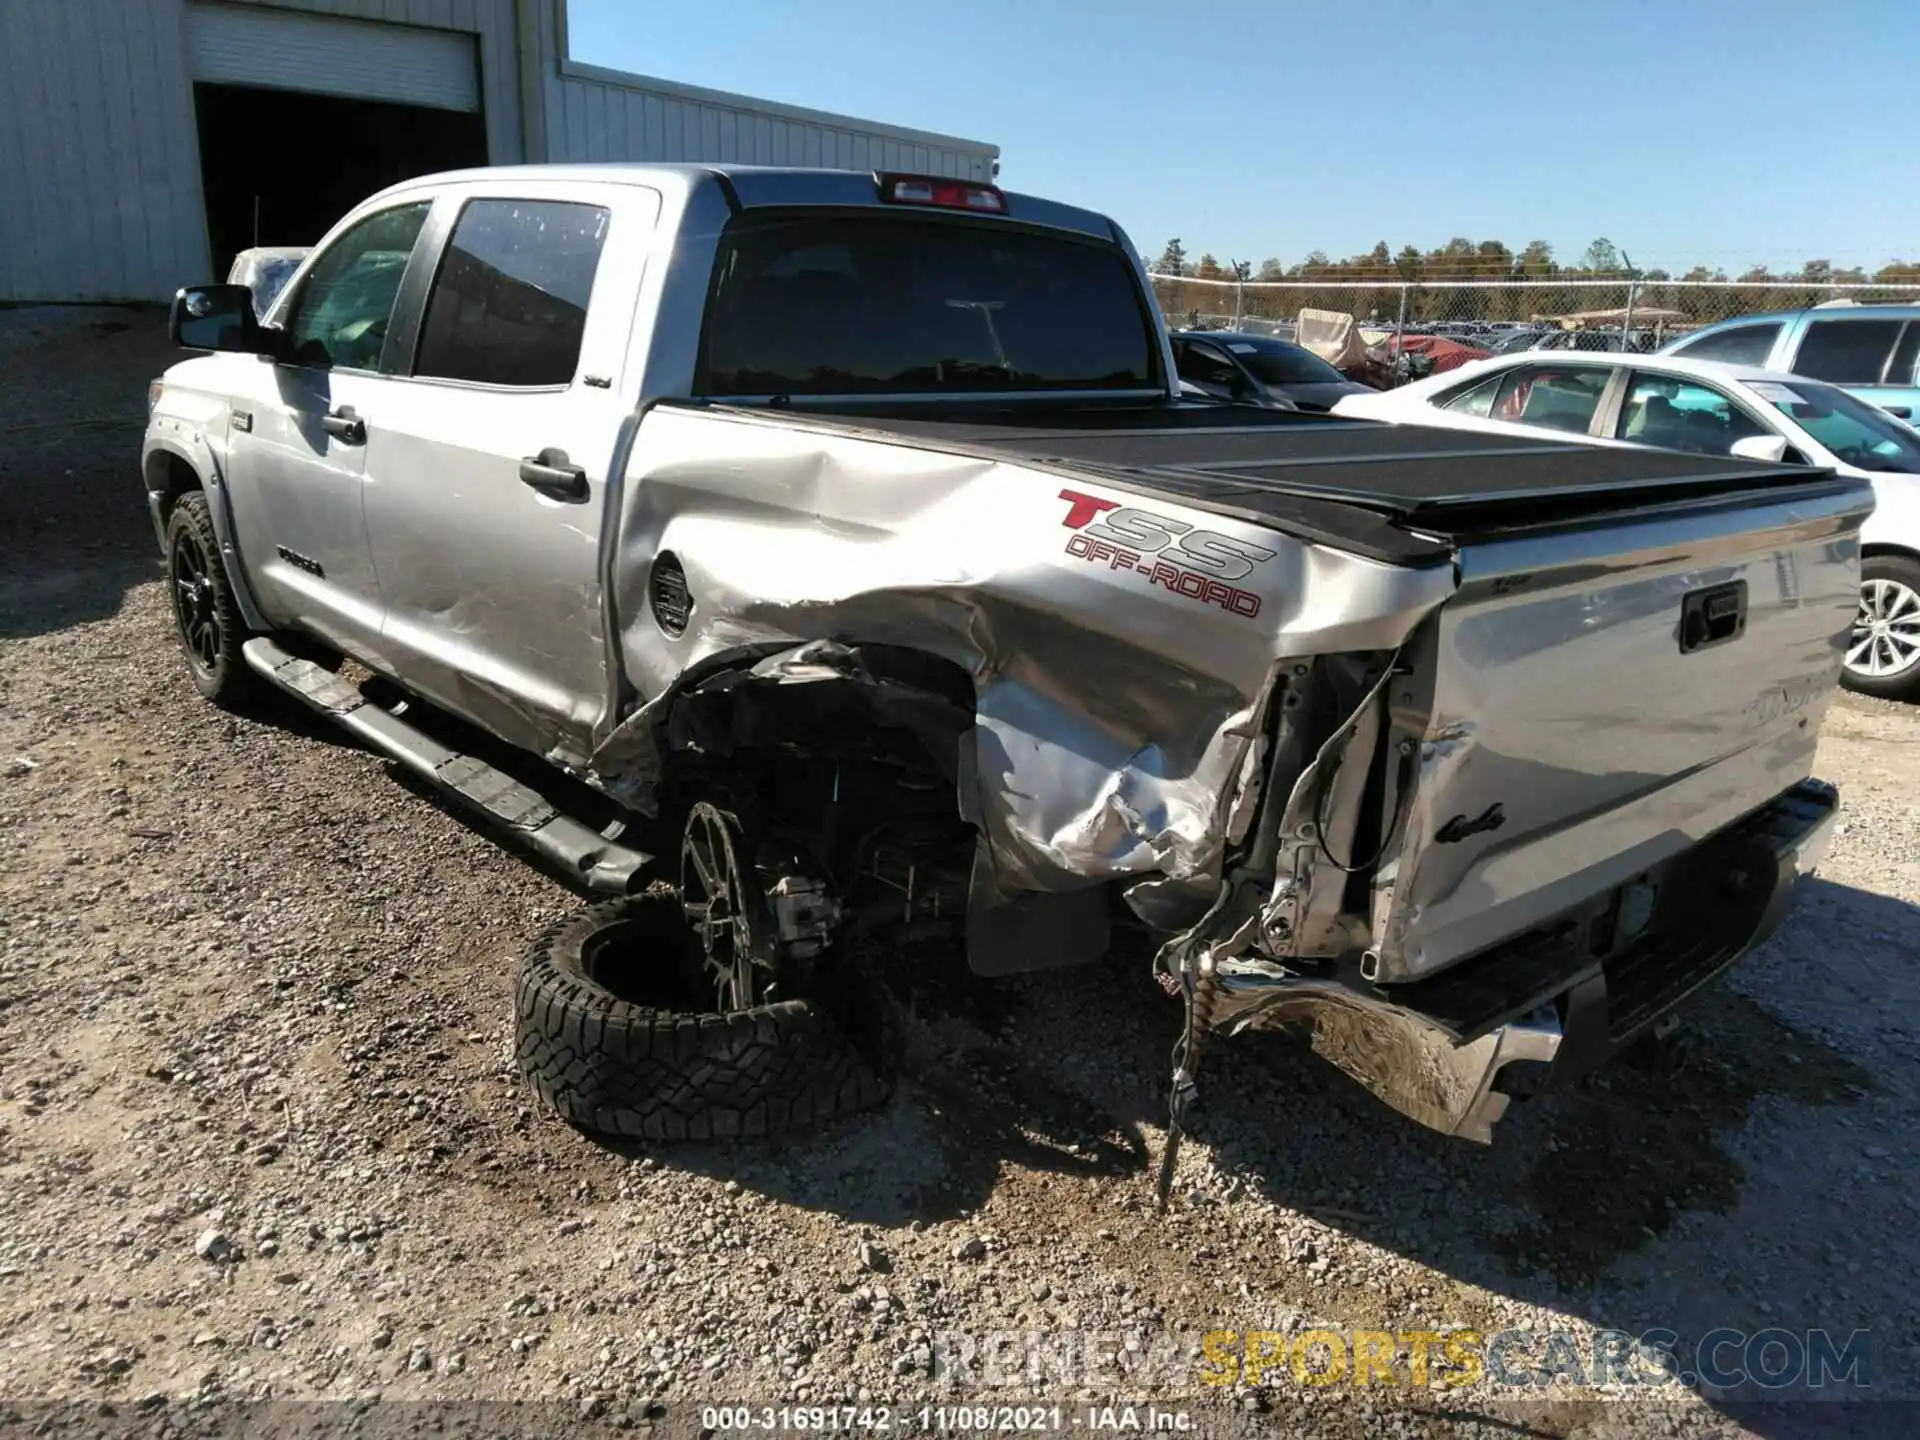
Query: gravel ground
x=260 y=1139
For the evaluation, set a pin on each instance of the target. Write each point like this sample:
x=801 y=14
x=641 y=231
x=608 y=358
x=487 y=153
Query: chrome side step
x=601 y=864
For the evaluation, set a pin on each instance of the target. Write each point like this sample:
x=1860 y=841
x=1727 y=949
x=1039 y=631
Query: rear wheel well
x=1868 y=552
x=170 y=477
x=842 y=764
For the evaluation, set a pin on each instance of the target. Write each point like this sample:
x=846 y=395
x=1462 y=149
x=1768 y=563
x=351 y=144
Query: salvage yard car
x=1710 y=408
x=849 y=525
x=1871 y=350
x=1259 y=370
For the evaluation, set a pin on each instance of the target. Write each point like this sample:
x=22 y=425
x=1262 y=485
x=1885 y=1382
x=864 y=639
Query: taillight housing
x=936 y=190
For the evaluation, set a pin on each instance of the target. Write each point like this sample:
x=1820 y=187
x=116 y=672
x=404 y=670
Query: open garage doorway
x=278 y=167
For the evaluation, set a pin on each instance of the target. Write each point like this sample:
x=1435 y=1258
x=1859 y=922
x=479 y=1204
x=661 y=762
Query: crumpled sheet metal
x=1399 y=1055
x=1113 y=715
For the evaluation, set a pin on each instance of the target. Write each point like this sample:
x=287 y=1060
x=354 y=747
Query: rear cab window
x=856 y=303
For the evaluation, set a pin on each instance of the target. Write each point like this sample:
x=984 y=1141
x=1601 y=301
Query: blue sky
x=1684 y=130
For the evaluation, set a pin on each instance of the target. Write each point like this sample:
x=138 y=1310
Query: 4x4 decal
x=1149 y=545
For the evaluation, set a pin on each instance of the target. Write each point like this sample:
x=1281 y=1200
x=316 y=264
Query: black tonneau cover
x=1400 y=492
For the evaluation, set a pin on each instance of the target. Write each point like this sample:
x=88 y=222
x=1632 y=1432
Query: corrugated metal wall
x=99 y=165
x=598 y=114
x=591 y=118
x=99 y=161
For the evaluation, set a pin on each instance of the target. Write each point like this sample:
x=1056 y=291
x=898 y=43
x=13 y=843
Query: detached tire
x=601 y=1037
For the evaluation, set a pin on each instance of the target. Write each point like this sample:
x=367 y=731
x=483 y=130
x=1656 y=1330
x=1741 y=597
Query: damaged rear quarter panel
x=1112 y=712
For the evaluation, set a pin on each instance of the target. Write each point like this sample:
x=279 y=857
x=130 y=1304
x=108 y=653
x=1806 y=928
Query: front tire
x=1883 y=650
x=205 y=613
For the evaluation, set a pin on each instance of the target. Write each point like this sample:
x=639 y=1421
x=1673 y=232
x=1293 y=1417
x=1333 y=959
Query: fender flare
x=198 y=456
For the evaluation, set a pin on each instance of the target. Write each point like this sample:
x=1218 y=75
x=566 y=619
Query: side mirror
x=217 y=317
x=1771 y=448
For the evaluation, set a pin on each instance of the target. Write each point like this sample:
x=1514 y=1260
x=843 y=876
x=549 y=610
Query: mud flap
x=1012 y=934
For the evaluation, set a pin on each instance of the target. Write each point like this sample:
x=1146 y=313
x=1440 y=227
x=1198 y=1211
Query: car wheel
x=204 y=611
x=1883 y=651
x=616 y=1032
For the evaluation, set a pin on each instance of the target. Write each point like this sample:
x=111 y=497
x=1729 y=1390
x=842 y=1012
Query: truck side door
x=486 y=478
x=297 y=446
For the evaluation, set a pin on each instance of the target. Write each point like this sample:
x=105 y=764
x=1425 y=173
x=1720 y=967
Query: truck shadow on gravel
x=968 y=1101
x=42 y=593
x=1575 y=1180
x=1638 y=1143
x=1060 y=1075
x=74 y=532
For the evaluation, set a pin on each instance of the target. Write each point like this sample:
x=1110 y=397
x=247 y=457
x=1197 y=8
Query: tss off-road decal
x=1196 y=564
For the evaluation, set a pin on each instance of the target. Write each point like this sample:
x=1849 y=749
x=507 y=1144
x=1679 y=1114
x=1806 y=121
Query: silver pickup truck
x=851 y=526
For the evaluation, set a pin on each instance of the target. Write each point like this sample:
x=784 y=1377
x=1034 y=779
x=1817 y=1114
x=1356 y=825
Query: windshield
x=1274 y=362
x=874 y=304
x=1856 y=433
x=1519 y=340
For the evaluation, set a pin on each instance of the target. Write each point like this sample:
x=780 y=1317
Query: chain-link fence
x=1502 y=313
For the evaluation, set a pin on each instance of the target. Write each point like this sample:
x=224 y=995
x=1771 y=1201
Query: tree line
x=1463 y=259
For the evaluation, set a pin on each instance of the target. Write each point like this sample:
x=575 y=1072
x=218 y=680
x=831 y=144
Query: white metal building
x=142 y=142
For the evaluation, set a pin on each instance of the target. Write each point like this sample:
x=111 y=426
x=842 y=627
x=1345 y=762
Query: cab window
x=339 y=317
x=509 y=306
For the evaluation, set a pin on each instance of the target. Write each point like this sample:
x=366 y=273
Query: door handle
x=345 y=425
x=553 y=473
x=1900 y=412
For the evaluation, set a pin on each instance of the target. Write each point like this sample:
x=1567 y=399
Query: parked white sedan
x=1713 y=409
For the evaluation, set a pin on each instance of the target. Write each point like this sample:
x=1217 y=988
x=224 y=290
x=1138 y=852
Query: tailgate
x=1596 y=699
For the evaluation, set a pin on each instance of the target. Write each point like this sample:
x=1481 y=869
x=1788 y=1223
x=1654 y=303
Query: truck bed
x=1400 y=493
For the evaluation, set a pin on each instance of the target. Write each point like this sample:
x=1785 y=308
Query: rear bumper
x=1563 y=998
x=1739 y=887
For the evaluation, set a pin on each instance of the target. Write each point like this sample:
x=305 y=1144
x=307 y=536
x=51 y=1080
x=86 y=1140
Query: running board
x=604 y=866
